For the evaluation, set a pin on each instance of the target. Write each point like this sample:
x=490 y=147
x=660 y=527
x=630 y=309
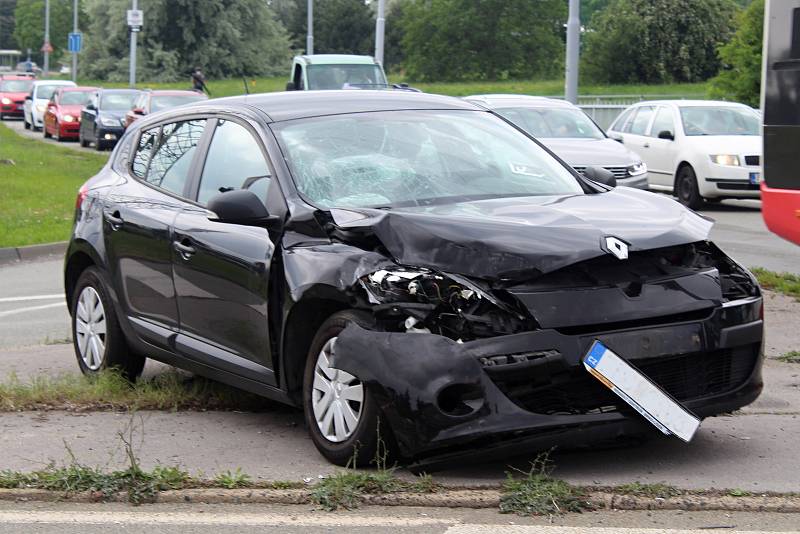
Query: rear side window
x=641 y=120
x=619 y=124
x=234 y=161
x=175 y=148
x=144 y=149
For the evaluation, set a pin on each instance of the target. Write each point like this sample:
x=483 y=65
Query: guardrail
x=603 y=109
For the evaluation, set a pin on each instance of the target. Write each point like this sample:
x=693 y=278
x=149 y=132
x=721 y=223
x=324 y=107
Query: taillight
x=82 y=192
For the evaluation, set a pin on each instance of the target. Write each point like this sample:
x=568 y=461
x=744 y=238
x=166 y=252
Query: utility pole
x=310 y=34
x=380 y=27
x=46 y=47
x=573 y=49
x=134 y=35
x=75 y=30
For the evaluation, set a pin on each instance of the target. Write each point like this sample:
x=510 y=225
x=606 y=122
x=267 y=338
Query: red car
x=13 y=90
x=63 y=115
x=152 y=101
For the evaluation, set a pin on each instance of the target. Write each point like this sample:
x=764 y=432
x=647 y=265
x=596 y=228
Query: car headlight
x=637 y=168
x=6 y=101
x=725 y=159
x=106 y=121
x=417 y=300
x=68 y=118
x=40 y=107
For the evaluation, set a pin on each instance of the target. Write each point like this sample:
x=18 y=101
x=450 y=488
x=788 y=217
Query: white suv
x=697 y=149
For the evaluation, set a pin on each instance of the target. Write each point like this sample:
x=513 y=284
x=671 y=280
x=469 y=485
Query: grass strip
x=793 y=356
x=785 y=283
x=39 y=184
x=110 y=391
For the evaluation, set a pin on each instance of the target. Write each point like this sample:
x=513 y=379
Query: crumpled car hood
x=524 y=237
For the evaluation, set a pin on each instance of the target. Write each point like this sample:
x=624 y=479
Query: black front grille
x=685 y=377
x=752 y=160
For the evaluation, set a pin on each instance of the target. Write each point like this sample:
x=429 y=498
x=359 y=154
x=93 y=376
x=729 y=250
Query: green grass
x=110 y=391
x=235 y=86
x=37 y=191
x=232 y=479
x=656 y=490
x=793 y=356
x=786 y=283
x=538 y=493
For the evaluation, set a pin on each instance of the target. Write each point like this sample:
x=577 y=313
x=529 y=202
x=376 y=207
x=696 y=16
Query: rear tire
x=96 y=335
x=45 y=133
x=342 y=441
x=686 y=188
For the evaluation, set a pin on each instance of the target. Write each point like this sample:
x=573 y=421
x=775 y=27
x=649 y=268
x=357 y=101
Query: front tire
x=341 y=415
x=45 y=133
x=26 y=124
x=96 y=335
x=686 y=188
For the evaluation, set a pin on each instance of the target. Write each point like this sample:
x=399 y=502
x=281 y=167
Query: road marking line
x=549 y=529
x=32 y=308
x=142 y=517
x=33 y=297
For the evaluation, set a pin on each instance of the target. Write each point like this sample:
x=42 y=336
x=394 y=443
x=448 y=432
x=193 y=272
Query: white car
x=700 y=150
x=37 y=100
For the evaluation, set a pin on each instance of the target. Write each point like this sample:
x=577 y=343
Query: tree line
x=623 y=41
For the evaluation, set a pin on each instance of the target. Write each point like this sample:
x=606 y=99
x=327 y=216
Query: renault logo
x=617 y=247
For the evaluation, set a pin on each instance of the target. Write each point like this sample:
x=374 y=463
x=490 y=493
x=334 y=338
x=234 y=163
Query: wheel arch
x=681 y=165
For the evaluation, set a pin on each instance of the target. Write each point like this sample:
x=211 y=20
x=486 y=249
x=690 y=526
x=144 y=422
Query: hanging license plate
x=665 y=413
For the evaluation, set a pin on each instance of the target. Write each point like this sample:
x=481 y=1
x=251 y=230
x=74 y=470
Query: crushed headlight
x=424 y=301
x=725 y=159
x=637 y=168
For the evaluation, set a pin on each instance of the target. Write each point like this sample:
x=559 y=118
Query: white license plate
x=655 y=405
x=755 y=177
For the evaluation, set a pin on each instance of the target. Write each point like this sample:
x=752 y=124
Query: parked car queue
x=94 y=116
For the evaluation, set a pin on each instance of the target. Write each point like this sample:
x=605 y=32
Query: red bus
x=780 y=103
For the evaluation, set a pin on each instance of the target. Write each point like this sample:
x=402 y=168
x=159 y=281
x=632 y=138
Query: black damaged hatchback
x=406 y=264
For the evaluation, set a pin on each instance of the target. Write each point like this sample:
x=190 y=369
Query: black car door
x=89 y=118
x=138 y=215
x=222 y=270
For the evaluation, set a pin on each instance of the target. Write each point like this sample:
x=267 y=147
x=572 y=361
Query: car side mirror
x=28 y=97
x=600 y=175
x=90 y=107
x=239 y=206
x=666 y=134
x=616 y=137
x=290 y=86
x=137 y=111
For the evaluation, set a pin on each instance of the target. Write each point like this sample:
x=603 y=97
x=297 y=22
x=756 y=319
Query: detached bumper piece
x=516 y=393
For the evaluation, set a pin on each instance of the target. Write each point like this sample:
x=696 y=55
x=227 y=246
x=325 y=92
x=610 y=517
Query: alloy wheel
x=90 y=328
x=337 y=397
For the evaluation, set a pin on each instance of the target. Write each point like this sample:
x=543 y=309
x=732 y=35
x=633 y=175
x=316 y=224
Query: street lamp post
x=573 y=47
x=380 y=27
x=75 y=30
x=310 y=34
x=134 y=34
x=46 y=47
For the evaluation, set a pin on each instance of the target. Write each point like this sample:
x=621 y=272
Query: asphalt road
x=18 y=126
x=65 y=518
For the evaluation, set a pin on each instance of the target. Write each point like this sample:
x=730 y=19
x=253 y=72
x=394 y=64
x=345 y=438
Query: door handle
x=184 y=248
x=114 y=219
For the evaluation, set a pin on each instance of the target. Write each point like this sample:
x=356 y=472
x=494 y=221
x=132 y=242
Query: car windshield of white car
x=341 y=76
x=719 y=120
x=44 y=92
x=551 y=123
x=417 y=158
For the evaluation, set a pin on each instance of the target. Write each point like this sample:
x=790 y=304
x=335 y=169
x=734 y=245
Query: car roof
x=16 y=77
x=123 y=91
x=172 y=92
x=54 y=82
x=689 y=103
x=303 y=104
x=502 y=100
x=78 y=89
x=336 y=59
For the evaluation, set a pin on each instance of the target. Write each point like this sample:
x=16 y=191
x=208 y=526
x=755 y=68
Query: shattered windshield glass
x=416 y=158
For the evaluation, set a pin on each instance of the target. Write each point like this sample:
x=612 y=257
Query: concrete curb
x=445 y=498
x=31 y=252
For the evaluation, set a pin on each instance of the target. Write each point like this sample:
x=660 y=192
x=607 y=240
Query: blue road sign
x=75 y=42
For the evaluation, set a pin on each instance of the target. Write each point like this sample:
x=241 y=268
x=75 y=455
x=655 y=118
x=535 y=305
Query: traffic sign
x=47 y=48
x=135 y=19
x=75 y=42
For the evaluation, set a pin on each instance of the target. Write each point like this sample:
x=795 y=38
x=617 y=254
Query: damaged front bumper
x=443 y=398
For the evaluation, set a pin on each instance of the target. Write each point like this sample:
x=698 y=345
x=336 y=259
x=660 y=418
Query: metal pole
x=380 y=26
x=46 y=36
x=75 y=30
x=573 y=48
x=310 y=34
x=132 y=76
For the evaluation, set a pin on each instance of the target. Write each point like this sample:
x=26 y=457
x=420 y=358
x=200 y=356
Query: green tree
x=393 y=53
x=483 y=39
x=740 y=78
x=29 y=26
x=224 y=37
x=657 y=41
x=7 y=24
x=340 y=27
